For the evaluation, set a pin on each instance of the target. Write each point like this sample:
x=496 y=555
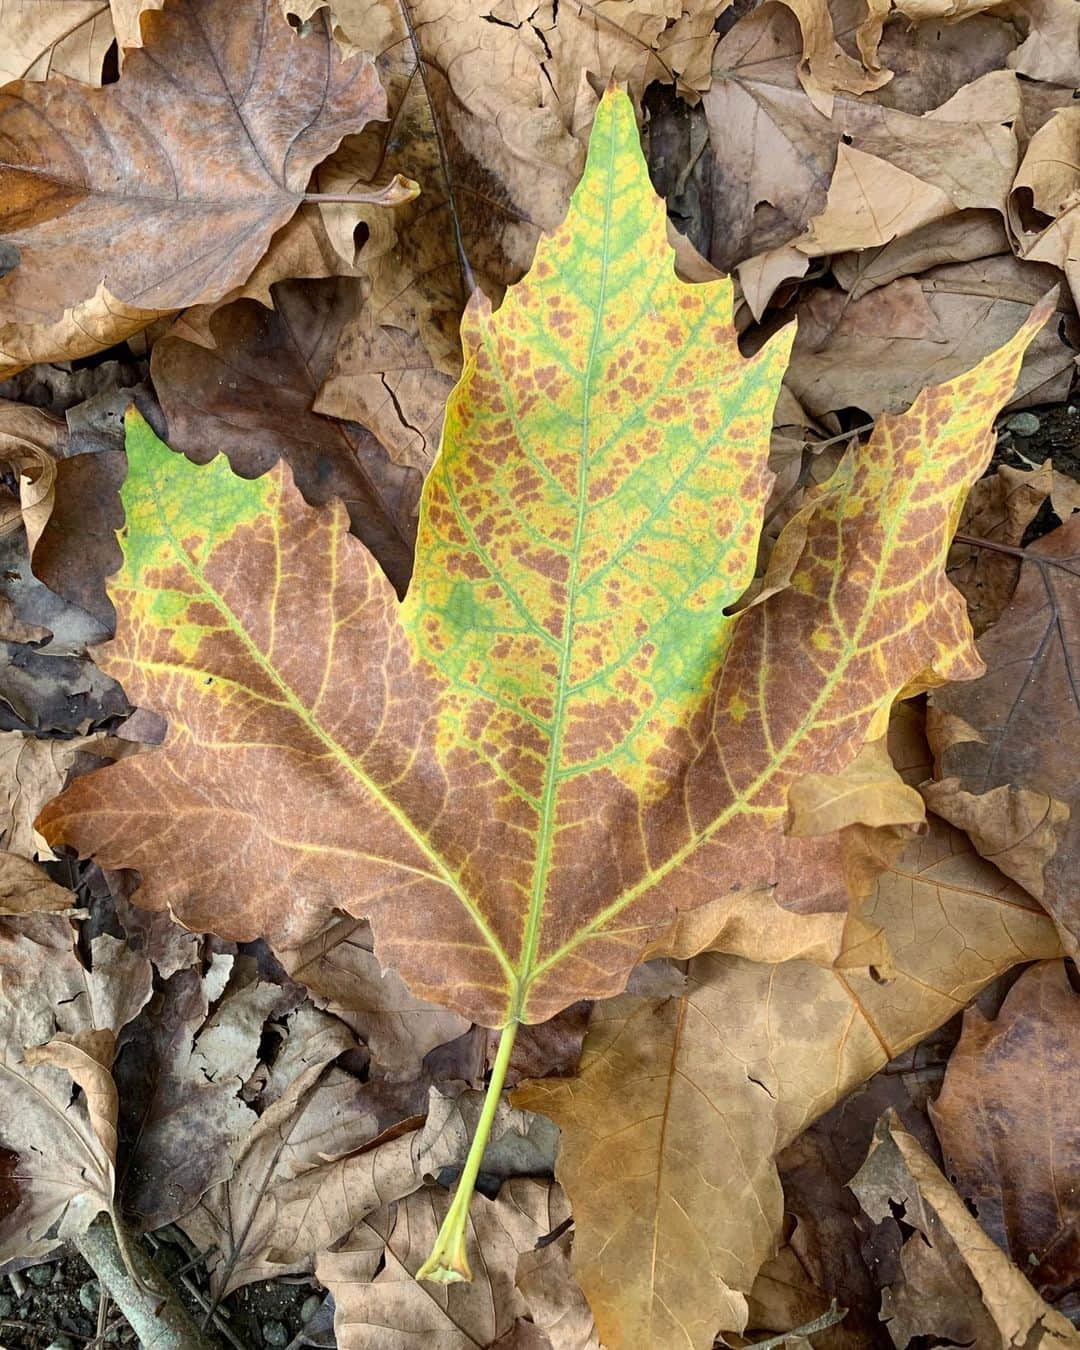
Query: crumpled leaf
x=1009 y=1132
x=1006 y=747
x=26 y=889
x=774 y=152
x=251 y=397
x=400 y=1310
x=748 y=1057
x=180 y=1075
x=340 y=971
x=999 y=509
x=1048 y=185
x=32 y=772
x=949 y=1248
x=878 y=352
x=40 y=38
x=562 y=664
x=85 y=327
x=29 y=440
x=58 y=1024
x=166 y=187
x=492 y=128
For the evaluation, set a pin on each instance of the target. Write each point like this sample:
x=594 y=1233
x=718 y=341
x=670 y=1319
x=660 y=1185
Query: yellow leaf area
x=529 y=772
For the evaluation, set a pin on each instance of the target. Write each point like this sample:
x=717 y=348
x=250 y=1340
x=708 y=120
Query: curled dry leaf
x=32 y=771
x=58 y=1024
x=29 y=440
x=949 y=1257
x=747 y=1058
x=166 y=187
x=1049 y=182
x=1008 y=1125
x=489 y=117
x=478 y=759
x=341 y=972
x=1006 y=747
x=39 y=38
x=251 y=394
x=397 y=1309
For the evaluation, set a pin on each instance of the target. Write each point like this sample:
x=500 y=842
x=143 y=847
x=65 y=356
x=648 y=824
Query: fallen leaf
x=779 y=162
x=995 y=1299
x=480 y=685
x=26 y=889
x=400 y=1310
x=557 y=1306
x=29 y=440
x=878 y=352
x=40 y=38
x=749 y=1056
x=999 y=509
x=59 y=1023
x=1048 y=181
x=167 y=186
x=250 y=396
x=1006 y=747
x=1008 y=1132
x=490 y=118
x=179 y=1075
x=966 y=236
x=84 y=328
x=32 y=772
x=126 y=17
x=312 y=1167
x=339 y=969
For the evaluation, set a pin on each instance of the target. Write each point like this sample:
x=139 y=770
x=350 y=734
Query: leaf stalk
x=448 y=1262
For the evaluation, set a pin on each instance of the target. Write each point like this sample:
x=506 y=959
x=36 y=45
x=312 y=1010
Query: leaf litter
x=883 y=176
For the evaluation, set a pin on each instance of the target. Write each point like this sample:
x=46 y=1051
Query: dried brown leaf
x=951 y=1267
x=40 y=38
x=26 y=889
x=749 y=1056
x=58 y=1023
x=1006 y=746
x=1008 y=1125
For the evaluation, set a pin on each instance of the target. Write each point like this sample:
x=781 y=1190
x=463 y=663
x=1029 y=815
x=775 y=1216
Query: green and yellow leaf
x=561 y=739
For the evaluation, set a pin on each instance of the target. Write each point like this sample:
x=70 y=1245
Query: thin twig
x=1024 y=554
x=829 y=1318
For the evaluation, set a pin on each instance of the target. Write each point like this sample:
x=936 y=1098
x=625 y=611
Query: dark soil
x=51 y=1315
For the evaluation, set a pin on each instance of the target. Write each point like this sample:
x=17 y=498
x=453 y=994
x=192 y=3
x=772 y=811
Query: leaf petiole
x=448 y=1262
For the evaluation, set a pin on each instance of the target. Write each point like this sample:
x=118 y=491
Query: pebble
x=40 y=1275
x=61 y=1343
x=275 y=1333
x=1023 y=424
x=7 y=1305
x=90 y=1295
x=310 y=1307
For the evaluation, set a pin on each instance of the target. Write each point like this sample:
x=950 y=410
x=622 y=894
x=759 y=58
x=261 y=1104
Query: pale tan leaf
x=40 y=38
x=58 y=1022
x=26 y=889
x=748 y=1057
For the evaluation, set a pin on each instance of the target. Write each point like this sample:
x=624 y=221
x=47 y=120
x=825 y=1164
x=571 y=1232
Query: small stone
x=7 y=1305
x=90 y=1295
x=1023 y=424
x=40 y=1275
x=310 y=1307
x=275 y=1332
x=61 y=1343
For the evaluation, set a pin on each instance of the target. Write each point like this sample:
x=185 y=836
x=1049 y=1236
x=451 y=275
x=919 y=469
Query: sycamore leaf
x=166 y=187
x=1009 y=1135
x=559 y=738
x=26 y=889
x=670 y=1234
